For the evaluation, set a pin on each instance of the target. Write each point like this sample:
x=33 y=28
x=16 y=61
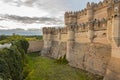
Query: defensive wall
x=35 y=46
x=90 y=39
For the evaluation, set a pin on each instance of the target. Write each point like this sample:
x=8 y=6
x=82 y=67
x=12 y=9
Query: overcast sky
x=27 y=14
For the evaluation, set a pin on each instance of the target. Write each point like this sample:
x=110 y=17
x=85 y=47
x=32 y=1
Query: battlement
x=92 y=11
x=48 y=30
x=96 y=25
x=71 y=14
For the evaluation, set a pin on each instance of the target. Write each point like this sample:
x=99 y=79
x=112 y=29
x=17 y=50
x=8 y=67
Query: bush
x=21 y=44
x=3 y=37
x=13 y=61
x=3 y=41
x=62 y=60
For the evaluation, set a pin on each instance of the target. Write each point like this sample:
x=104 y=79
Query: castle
x=90 y=40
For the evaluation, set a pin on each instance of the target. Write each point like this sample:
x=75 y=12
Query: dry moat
x=44 y=68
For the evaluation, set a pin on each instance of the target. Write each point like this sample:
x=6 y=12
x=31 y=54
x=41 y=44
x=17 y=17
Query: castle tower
x=109 y=20
x=91 y=31
x=71 y=39
x=113 y=70
x=90 y=12
x=116 y=25
x=59 y=36
x=47 y=37
x=70 y=18
x=66 y=18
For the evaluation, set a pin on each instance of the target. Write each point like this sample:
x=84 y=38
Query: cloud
x=28 y=14
x=33 y=8
x=8 y=24
x=29 y=20
x=21 y=11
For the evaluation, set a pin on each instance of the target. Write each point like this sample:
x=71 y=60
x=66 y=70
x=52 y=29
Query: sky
x=35 y=14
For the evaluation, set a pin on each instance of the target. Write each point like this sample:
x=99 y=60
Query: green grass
x=43 y=68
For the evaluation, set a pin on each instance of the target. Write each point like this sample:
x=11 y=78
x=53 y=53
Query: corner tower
x=113 y=70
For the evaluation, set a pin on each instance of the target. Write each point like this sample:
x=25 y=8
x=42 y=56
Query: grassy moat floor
x=43 y=68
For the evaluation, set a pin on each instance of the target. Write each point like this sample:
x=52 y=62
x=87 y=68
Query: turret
x=71 y=39
x=71 y=33
x=66 y=18
x=90 y=12
x=70 y=18
x=47 y=37
x=91 y=31
x=59 y=36
x=44 y=33
x=116 y=25
x=113 y=70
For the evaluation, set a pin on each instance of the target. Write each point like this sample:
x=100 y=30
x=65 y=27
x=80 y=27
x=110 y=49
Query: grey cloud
x=28 y=20
x=7 y=1
x=52 y=6
x=2 y=27
x=29 y=2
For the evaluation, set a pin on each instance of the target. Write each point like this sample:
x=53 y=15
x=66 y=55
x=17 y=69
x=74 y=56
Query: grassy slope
x=43 y=68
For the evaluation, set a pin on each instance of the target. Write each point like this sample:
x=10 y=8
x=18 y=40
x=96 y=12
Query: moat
x=44 y=68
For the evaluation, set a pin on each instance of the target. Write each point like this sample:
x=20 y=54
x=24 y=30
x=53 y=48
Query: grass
x=44 y=68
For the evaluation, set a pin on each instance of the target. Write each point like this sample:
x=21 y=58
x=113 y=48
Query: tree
x=12 y=60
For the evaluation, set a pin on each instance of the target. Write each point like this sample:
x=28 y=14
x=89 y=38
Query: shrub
x=62 y=60
x=21 y=44
x=13 y=61
x=3 y=37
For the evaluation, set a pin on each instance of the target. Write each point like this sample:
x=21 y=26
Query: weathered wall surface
x=63 y=37
x=58 y=49
x=92 y=57
x=35 y=46
x=101 y=13
x=83 y=54
x=81 y=37
x=113 y=70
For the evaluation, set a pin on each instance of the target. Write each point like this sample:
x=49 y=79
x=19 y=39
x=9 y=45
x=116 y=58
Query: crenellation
x=94 y=25
x=81 y=13
x=105 y=3
x=100 y=5
x=90 y=5
x=70 y=18
x=82 y=27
